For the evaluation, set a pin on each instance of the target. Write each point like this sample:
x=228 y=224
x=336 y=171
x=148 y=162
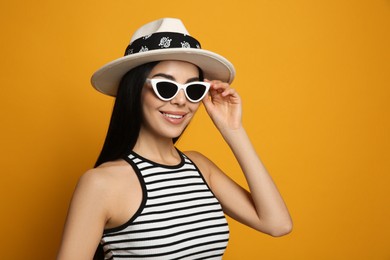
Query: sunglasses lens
x=166 y=89
x=196 y=91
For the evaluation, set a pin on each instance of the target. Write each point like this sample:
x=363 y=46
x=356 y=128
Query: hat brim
x=215 y=67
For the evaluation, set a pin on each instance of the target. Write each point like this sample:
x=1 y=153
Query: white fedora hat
x=164 y=39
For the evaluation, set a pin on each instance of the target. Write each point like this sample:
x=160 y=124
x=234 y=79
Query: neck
x=157 y=149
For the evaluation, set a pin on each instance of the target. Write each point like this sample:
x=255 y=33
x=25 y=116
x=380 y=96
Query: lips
x=174 y=117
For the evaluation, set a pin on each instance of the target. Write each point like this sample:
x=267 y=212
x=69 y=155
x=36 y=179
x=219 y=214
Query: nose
x=180 y=98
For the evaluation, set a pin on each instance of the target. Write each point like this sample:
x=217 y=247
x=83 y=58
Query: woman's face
x=168 y=119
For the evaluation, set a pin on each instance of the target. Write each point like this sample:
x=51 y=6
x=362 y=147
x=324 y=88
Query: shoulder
x=197 y=157
x=101 y=180
x=205 y=165
x=106 y=172
x=99 y=189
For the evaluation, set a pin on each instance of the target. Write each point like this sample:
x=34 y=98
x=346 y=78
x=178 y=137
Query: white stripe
x=171 y=175
x=172 y=225
x=173 y=198
x=175 y=190
x=149 y=171
x=181 y=212
x=169 y=183
x=179 y=205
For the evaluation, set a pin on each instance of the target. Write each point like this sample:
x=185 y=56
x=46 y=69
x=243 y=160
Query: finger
x=220 y=89
x=228 y=92
x=219 y=85
x=215 y=83
x=207 y=102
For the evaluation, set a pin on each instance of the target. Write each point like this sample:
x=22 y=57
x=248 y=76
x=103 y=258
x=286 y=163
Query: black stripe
x=174 y=217
x=158 y=172
x=162 y=180
x=178 y=201
x=183 y=208
x=176 y=186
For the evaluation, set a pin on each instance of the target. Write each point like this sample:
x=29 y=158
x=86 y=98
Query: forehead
x=177 y=69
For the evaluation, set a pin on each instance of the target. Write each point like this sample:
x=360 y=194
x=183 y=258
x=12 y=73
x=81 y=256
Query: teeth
x=173 y=116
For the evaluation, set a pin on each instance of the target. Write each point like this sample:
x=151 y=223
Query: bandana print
x=162 y=40
x=165 y=42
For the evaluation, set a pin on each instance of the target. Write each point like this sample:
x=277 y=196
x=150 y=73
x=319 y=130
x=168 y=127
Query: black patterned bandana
x=162 y=40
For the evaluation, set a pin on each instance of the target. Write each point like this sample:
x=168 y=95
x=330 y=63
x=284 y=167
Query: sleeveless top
x=179 y=217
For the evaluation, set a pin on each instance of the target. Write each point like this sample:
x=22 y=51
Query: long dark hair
x=126 y=116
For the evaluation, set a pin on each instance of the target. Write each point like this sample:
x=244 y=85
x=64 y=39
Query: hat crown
x=161 y=25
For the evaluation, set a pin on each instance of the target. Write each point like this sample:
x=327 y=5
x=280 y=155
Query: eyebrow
x=170 y=77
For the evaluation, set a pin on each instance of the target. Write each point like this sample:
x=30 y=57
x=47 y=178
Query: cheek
x=147 y=106
x=148 y=99
x=194 y=106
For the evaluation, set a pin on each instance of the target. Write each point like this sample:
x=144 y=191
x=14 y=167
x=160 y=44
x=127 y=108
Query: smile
x=173 y=116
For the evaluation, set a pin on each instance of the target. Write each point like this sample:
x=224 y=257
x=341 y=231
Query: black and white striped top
x=179 y=217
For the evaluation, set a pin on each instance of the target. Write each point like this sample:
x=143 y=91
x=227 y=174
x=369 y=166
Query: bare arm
x=86 y=219
x=263 y=208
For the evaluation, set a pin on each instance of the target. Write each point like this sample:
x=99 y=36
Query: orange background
x=314 y=77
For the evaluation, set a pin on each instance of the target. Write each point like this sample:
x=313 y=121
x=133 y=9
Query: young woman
x=145 y=198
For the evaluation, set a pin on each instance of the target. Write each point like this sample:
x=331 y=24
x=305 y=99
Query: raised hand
x=223 y=104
